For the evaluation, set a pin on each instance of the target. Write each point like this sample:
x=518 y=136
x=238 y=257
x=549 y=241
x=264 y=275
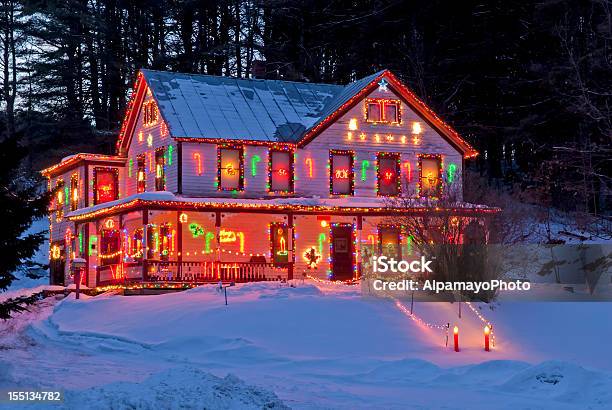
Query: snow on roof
x=314 y=201
x=206 y=106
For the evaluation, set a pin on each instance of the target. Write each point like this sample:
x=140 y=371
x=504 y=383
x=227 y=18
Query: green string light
x=209 y=237
x=450 y=173
x=321 y=240
x=365 y=165
x=254 y=160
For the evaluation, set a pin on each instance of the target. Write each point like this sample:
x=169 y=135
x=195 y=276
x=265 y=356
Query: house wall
x=336 y=137
x=145 y=140
x=315 y=155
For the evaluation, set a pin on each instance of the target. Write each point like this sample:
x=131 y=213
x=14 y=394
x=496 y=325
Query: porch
x=188 y=272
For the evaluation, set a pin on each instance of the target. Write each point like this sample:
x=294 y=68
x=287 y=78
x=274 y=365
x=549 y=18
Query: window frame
x=74 y=186
x=273 y=237
x=150 y=113
x=396 y=229
x=291 y=170
x=398 y=172
x=382 y=104
x=141 y=165
x=60 y=191
x=240 y=150
x=351 y=175
x=160 y=177
x=438 y=190
x=115 y=172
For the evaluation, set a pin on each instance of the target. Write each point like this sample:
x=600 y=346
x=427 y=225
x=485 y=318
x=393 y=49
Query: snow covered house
x=248 y=179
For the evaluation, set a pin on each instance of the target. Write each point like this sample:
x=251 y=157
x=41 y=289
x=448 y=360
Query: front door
x=342 y=252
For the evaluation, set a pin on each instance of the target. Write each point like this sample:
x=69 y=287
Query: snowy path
x=314 y=347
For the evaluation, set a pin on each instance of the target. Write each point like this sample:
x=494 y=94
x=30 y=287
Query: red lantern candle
x=456 y=338
x=487 y=333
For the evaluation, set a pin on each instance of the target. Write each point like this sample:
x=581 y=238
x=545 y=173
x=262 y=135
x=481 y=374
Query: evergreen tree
x=22 y=201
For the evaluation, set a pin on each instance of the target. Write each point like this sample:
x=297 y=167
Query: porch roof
x=300 y=205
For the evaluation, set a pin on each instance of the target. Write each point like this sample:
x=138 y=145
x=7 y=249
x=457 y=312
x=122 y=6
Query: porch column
x=179 y=244
x=145 y=242
x=218 y=236
x=358 y=249
x=86 y=252
x=291 y=246
x=122 y=247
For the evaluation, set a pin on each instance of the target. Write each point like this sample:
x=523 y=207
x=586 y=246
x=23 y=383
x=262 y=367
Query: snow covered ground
x=310 y=346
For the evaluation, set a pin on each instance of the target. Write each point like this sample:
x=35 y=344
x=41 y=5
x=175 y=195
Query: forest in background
x=528 y=83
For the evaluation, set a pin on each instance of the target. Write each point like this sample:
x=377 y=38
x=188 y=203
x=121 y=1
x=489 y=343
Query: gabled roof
x=206 y=106
x=223 y=108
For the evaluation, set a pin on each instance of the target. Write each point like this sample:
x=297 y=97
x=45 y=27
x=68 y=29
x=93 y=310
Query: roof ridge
x=258 y=79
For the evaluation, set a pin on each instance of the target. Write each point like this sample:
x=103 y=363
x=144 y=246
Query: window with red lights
x=141 y=176
x=230 y=169
x=281 y=171
x=110 y=247
x=388 y=178
x=430 y=175
x=342 y=177
x=106 y=185
x=389 y=241
x=160 y=169
x=381 y=110
x=279 y=242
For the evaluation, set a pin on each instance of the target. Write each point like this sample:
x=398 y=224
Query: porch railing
x=198 y=272
x=214 y=271
x=119 y=273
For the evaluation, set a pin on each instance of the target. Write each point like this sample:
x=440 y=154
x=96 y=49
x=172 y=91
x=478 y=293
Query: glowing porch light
x=416 y=128
x=352 y=124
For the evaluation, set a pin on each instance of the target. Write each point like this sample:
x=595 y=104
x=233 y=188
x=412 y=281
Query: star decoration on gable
x=382 y=85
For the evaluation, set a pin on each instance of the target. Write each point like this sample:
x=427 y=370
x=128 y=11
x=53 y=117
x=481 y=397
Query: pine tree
x=22 y=201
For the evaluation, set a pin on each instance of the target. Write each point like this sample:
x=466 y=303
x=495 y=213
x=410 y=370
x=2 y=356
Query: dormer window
x=383 y=111
x=150 y=114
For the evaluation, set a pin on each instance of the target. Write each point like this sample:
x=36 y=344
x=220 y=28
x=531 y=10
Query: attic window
x=150 y=114
x=380 y=110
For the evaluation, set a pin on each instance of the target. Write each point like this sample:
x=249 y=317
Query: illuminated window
x=281 y=171
x=389 y=181
x=430 y=174
x=110 y=247
x=106 y=185
x=165 y=239
x=60 y=200
x=374 y=113
x=152 y=241
x=150 y=113
x=136 y=244
x=74 y=192
x=383 y=111
x=141 y=176
x=389 y=241
x=279 y=242
x=230 y=172
x=160 y=170
x=341 y=173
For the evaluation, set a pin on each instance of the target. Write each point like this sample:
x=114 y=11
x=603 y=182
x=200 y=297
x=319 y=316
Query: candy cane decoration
x=309 y=164
x=408 y=170
x=240 y=236
x=198 y=159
